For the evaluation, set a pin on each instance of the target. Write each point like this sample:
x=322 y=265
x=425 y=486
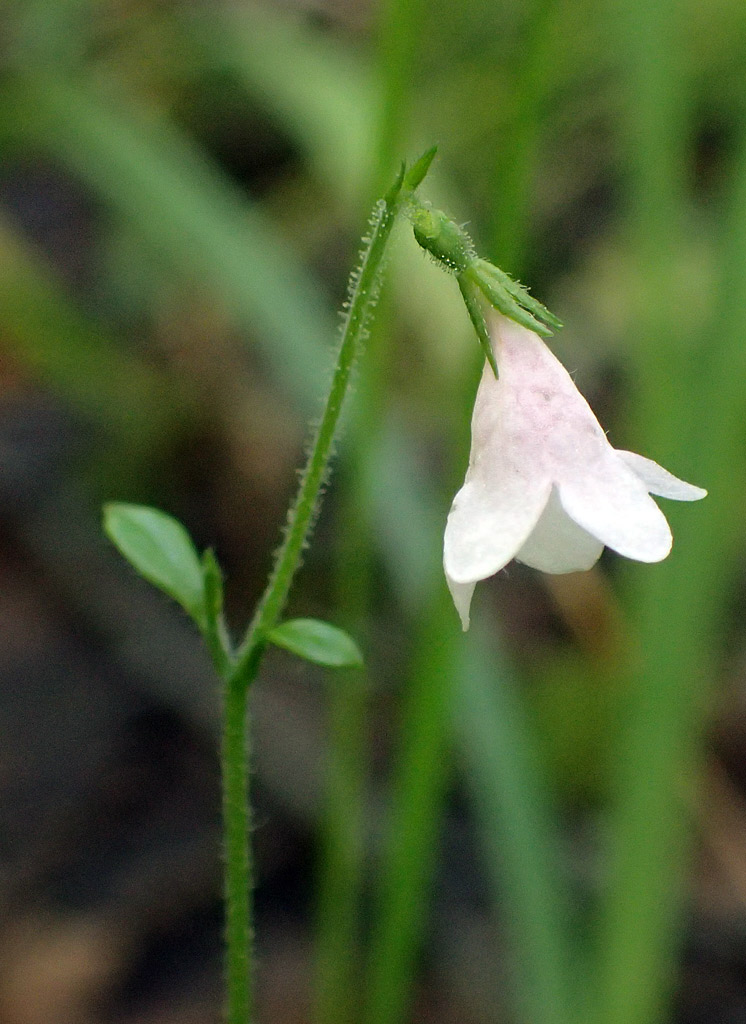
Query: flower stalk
x=481 y=283
x=240 y=670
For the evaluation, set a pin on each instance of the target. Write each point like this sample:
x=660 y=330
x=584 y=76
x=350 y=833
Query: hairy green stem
x=239 y=928
x=364 y=290
x=241 y=671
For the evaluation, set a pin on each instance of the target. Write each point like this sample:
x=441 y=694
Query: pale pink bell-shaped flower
x=543 y=484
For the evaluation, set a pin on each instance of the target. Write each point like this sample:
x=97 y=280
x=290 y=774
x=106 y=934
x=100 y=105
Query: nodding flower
x=544 y=485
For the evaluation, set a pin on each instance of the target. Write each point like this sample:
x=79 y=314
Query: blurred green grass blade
x=342 y=850
x=39 y=32
x=519 y=141
x=454 y=679
x=518 y=829
x=400 y=32
x=511 y=800
x=722 y=355
x=654 y=127
x=322 y=94
x=275 y=60
x=680 y=619
x=675 y=608
x=413 y=829
x=655 y=132
x=343 y=870
x=74 y=358
x=187 y=212
x=406 y=517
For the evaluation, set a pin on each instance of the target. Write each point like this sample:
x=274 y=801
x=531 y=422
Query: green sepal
x=504 y=303
x=161 y=550
x=477 y=318
x=519 y=292
x=510 y=299
x=419 y=169
x=318 y=642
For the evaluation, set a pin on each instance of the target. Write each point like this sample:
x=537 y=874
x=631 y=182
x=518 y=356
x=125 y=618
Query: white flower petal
x=544 y=485
x=659 y=481
x=542 y=415
x=462 y=595
x=488 y=524
x=613 y=505
x=557 y=544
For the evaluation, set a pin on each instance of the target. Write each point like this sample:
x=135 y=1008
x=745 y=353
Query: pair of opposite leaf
x=162 y=551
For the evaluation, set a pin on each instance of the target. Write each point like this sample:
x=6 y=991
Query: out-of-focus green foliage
x=226 y=155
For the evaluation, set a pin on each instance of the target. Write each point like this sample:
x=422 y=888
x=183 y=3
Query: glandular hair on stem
x=374 y=223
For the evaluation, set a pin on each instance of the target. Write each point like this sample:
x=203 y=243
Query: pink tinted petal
x=544 y=485
x=658 y=480
x=489 y=521
x=557 y=544
x=542 y=415
x=613 y=505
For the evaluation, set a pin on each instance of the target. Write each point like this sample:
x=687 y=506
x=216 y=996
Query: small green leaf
x=419 y=169
x=318 y=642
x=161 y=550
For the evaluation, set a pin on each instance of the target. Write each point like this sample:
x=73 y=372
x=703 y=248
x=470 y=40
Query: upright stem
x=239 y=926
x=364 y=288
x=241 y=670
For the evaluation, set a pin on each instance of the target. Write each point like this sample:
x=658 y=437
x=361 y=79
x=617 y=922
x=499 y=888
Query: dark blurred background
x=182 y=190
